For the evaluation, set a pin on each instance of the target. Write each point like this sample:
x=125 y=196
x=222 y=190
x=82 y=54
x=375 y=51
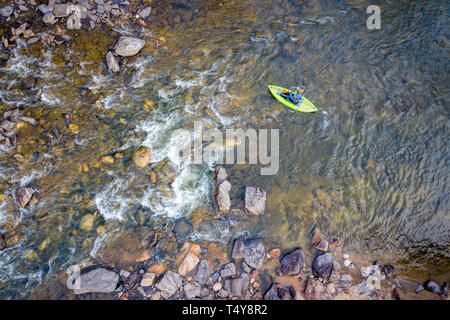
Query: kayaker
x=296 y=98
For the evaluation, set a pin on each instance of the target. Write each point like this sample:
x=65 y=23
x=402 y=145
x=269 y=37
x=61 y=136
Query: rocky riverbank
x=247 y=269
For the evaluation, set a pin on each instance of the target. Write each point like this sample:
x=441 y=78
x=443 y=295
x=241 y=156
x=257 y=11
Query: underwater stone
x=112 y=63
x=293 y=262
x=128 y=46
x=255 y=200
x=97 y=280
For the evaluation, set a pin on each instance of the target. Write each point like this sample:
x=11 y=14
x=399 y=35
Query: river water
x=370 y=168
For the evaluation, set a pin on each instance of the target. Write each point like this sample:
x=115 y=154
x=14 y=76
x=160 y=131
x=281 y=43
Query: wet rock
x=223 y=188
x=6 y=11
x=31 y=121
x=237 y=286
x=61 y=10
x=165 y=171
x=238 y=249
x=203 y=273
x=254 y=252
x=148 y=279
x=432 y=286
x=43 y=8
x=49 y=18
x=322 y=265
x=112 y=63
x=97 y=280
x=315 y=290
x=144 y=13
x=217 y=286
x=228 y=270
x=293 y=262
x=246 y=267
x=319 y=241
x=87 y=222
x=183 y=229
x=335 y=272
x=188 y=264
x=23 y=196
x=222 y=294
x=142 y=157
x=74 y=21
x=169 y=284
x=362 y=289
x=388 y=270
x=345 y=281
x=158 y=268
x=2 y=242
x=215 y=276
x=192 y=290
x=128 y=46
x=7 y=125
x=217 y=229
x=30 y=82
x=255 y=200
x=365 y=272
x=419 y=288
x=124 y=273
x=272 y=292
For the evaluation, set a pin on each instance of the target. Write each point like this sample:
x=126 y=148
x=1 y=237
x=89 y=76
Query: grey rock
x=362 y=289
x=432 y=286
x=112 y=63
x=43 y=8
x=228 y=270
x=183 y=229
x=254 y=252
x=272 y=292
x=6 y=11
x=221 y=174
x=215 y=276
x=61 y=10
x=345 y=281
x=322 y=265
x=128 y=46
x=222 y=294
x=217 y=229
x=203 y=273
x=74 y=21
x=144 y=13
x=192 y=290
x=223 y=197
x=335 y=272
x=169 y=284
x=237 y=286
x=238 y=249
x=23 y=8
x=31 y=121
x=7 y=125
x=124 y=273
x=255 y=200
x=293 y=262
x=419 y=288
x=97 y=280
x=246 y=267
x=388 y=270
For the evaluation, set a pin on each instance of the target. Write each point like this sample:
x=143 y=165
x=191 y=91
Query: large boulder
x=255 y=200
x=322 y=265
x=237 y=286
x=169 y=284
x=96 y=280
x=128 y=46
x=315 y=290
x=293 y=262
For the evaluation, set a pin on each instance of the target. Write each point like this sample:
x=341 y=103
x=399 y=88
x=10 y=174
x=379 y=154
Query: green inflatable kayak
x=305 y=106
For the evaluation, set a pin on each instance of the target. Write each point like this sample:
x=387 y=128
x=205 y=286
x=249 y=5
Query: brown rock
x=158 y=268
x=143 y=256
x=142 y=156
x=188 y=264
x=315 y=290
x=23 y=196
x=319 y=241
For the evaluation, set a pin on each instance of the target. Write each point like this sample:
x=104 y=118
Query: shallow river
x=370 y=168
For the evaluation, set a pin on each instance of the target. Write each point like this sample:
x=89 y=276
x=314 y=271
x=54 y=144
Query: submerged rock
x=192 y=290
x=165 y=171
x=322 y=265
x=319 y=241
x=23 y=196
x=223 y=188
x=6 y=11
x=237 y=286
x=128 y=46
x=315 y=290
x=254 y=252
x=142 y=156
x=432 y=286
x=169 y=284
x=97 y=280
x=144 y=13
x=255 y=200
x=293 y=262
x=112 y=63
x=203 y=273
x=183 y=229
